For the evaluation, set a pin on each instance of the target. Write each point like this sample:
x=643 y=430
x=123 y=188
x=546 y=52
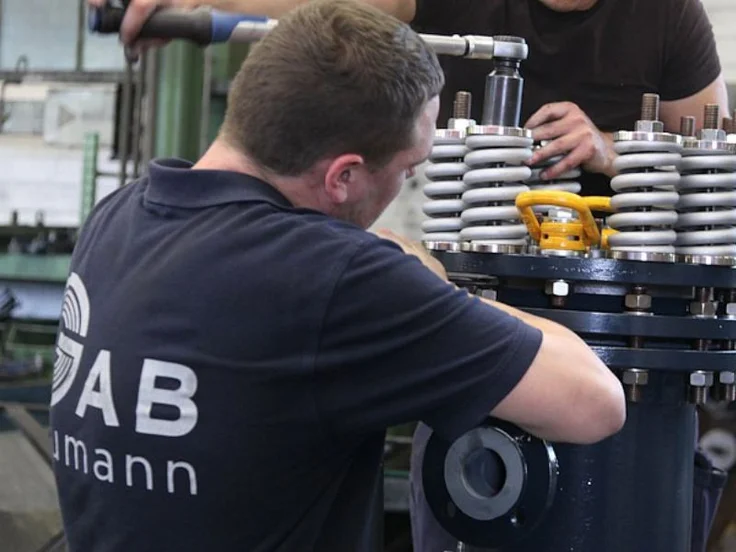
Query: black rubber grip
x=171 y=23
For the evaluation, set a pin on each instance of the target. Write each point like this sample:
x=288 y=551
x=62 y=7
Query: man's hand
x=136 y=14
x=416 y=249
x=571 y=133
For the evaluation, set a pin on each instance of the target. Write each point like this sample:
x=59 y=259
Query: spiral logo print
x=75 y=324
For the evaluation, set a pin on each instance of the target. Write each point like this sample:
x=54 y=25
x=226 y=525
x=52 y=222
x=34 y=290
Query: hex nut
x=727 y=378
x=638 y=301
x=712 y=135
x=709 y=308
x=635 y=377
x=649 y=126
x=701 y=379
x=558 y=288
x=489 y=294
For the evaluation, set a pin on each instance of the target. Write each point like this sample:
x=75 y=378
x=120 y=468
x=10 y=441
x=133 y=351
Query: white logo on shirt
x=97 y=397
x=75 y=315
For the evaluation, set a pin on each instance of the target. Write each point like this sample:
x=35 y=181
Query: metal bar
x=1 y=21
x=89 y=175
x=137 y=118
x=33 y=431
x=447 y=45
x=125 y=120
x=456 y=45
x=81 y=33
x=64 y=76
x=204 y=27
x=204 y=113
x=151 y=98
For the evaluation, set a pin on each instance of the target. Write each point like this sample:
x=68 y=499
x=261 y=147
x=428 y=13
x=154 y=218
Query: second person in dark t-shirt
x=589 y=63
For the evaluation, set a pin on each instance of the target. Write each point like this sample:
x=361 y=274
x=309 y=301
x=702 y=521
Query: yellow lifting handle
x=526 y=200
x=599 y=203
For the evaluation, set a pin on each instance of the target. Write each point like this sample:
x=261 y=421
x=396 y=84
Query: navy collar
x=172 y=182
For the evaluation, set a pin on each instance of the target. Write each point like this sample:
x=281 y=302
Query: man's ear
x=342 y=176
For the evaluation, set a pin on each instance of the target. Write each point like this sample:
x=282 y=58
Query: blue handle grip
x=223 y=24
x=201 y=26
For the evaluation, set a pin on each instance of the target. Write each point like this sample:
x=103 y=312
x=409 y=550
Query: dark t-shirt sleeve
x=398 y=344
x=691 y=58
x=431 y=15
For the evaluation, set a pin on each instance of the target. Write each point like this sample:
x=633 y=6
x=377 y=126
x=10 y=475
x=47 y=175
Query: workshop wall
x=46 y=181
x=47 y=33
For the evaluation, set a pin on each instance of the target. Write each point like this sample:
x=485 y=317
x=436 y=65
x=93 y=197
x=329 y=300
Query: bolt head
x=557 y=288
x=489 y=294
x=649 y=126
x=727 y=378
x=638 y=301
x=709 y=308
x=460 y=124
x=635 y=377
x=701 y=379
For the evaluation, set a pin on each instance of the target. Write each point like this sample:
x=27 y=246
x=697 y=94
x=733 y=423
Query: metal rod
x=151 y=97
x=89 y=175
x=64 y=76
x=137 y=118
x=124 y=130
x=479 y=47
x=81 y=33
x=204 y=113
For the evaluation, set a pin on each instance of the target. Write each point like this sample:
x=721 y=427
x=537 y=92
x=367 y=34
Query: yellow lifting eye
x=573 y=235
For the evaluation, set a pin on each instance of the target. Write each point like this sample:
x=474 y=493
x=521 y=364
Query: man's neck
x=222 y=157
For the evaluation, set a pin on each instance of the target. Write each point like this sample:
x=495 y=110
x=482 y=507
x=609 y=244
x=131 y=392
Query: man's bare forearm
x=540 y=323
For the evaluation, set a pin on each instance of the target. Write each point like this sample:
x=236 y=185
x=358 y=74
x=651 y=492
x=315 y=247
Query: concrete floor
x=29 y=515
x=729 y=541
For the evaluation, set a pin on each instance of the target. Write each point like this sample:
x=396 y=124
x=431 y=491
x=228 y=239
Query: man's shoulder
x=116 y=198
x=326 y=240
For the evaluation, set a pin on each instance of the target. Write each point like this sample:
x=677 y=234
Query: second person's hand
x=569 y=132
x=136 y=14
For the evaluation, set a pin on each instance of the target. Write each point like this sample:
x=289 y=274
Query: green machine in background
x=191 y=93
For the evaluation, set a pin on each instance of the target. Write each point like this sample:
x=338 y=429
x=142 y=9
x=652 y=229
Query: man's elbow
x=605 y=412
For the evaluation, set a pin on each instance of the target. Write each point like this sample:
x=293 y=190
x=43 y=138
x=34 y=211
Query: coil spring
x=495 y=177
x=566 y=182
x=707 y=204
x=445 y=188
x=645 y=196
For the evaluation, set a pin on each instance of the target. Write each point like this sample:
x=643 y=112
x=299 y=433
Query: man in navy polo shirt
x=234 y=343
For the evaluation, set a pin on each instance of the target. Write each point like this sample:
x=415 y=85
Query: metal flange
x=492 y=486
